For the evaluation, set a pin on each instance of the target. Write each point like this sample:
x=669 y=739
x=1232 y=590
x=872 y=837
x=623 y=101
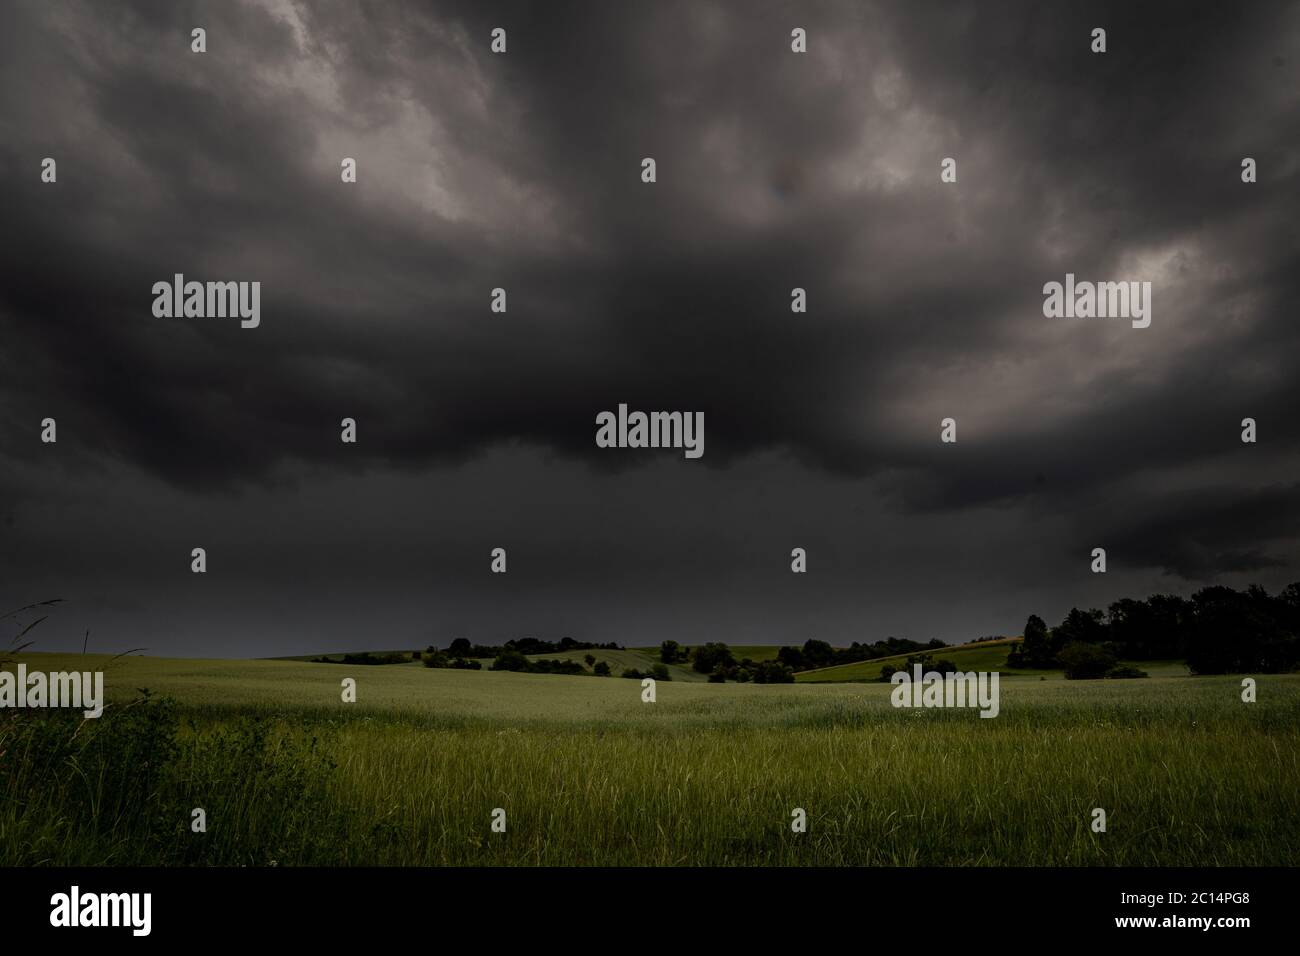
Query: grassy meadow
x=410 y=773
x=983 y=656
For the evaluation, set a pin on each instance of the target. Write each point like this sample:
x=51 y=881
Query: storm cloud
x=521 y=171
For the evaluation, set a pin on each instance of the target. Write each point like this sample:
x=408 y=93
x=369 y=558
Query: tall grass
x=122 y=789
x=1187 y=775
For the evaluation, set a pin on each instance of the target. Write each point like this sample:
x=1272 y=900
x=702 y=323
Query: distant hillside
x=981 y=656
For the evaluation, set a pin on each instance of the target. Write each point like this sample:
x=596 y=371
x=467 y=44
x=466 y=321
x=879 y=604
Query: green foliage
x=1244 y=632
x=436 y=658
x=120 y=789
x=710 y=657
x=1084 y=661
x=1218 y=631
x=527 y=646
x=670 y=652
x=773 y=672
x=926 y=661
x=510 y=660
x=514 y=661
x=818 y=654
x=1037 y=649
x=364 y=659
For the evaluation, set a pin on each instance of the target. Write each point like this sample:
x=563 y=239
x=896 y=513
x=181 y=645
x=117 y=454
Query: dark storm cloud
x=775 y=171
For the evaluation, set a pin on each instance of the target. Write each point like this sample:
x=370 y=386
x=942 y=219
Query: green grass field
x=985 y=656
x=588 y=774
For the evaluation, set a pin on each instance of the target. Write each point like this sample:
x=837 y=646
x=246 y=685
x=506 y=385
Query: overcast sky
x=523 y=171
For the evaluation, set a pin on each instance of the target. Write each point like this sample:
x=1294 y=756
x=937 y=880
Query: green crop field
x=287 y=773
x=985 y=656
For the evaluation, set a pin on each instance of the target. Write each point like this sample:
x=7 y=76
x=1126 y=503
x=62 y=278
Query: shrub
x=510 y=660
x=774 y=672
x=1085 y=661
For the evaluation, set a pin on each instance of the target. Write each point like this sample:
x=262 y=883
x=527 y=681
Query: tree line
x=1218 y=630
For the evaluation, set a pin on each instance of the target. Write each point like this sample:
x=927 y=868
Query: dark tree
x=1081 y=627
x=817 y=654
x=712 y=656
x=791 y=657
x=1036 y=649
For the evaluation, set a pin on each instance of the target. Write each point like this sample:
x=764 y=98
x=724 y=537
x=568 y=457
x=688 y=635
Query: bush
x=1085 y=661
x=554 y=667
x=773 y=672
x=510 y=660
x=601 y=669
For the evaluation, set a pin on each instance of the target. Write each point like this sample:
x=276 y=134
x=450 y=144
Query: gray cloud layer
x=522 y=171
